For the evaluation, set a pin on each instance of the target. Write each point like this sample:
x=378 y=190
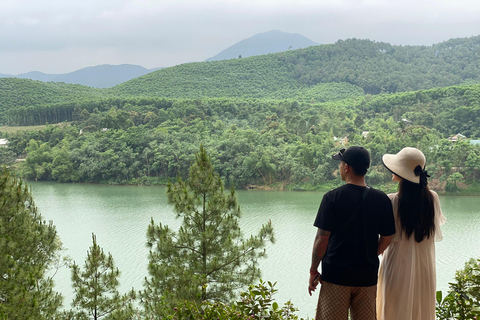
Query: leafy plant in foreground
x=256 y=303
x=463 y=299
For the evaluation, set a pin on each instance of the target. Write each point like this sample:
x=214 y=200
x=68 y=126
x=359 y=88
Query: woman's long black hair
x=416 y=210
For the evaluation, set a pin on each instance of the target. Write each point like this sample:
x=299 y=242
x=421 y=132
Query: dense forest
x=278 y=144
x=270 y=121
x=15 y=93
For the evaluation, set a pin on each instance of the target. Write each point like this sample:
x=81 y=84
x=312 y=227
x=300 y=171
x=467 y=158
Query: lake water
x=119 y=217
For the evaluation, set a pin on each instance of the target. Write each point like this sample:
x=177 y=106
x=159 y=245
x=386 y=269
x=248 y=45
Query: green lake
x=119 y=216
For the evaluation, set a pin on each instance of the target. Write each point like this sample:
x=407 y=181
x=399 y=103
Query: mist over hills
x=263 y=43
x=102 y=76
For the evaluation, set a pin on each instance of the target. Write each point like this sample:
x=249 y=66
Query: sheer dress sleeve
x=439 y=217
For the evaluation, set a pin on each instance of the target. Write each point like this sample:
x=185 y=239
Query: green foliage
x=463 y=298
x=62 y=165
x=26 y=95
x=207 y=259
x=253 y=142
x=39 y=162
x=256 y=303
x=344 y=70
x=373 y=66
x=96 y=288
x=29 y=249
x=452 y=182
x=7 y=157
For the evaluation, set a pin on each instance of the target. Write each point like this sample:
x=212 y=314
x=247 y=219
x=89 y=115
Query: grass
x=7 y=129
x=23 y=128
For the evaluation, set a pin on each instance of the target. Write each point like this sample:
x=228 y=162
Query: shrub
x=255 y=304
x=463 y=299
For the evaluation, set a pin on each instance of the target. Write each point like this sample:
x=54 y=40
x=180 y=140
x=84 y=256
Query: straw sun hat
x=408 y=164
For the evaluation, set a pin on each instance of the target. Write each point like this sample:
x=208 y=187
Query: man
x=355 y=224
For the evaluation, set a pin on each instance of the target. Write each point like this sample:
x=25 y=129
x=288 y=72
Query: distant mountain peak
x=264 y=43
x=101 y=76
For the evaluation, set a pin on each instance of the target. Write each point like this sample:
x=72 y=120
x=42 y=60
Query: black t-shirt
x=351 y=258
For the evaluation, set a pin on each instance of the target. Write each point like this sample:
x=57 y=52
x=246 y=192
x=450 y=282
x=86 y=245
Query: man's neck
x=356 y=180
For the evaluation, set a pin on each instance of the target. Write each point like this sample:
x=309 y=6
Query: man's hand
x=319 y=248
x=313 y=282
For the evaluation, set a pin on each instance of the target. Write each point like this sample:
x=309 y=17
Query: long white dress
x=407 y=275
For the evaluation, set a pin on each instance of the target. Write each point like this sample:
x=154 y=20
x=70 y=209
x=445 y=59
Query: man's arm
x=383 y=243
x=319 y=248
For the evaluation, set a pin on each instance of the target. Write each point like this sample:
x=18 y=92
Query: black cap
x=357 y=157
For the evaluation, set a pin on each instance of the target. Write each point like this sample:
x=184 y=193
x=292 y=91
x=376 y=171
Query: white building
x=3 y=143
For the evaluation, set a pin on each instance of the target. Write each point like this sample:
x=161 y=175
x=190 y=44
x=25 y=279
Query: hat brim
x=337 y=156
x=390 y=161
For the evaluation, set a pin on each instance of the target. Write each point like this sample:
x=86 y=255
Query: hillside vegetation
x=373 y=66
x=15 y=93
x=269 y=143
x=271 y=121
x=314 y=74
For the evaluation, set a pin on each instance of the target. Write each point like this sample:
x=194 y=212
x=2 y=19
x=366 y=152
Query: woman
x=407 y=276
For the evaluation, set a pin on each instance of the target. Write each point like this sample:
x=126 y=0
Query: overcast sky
x=60 y=36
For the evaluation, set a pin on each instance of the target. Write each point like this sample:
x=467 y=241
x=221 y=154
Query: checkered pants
x=335 y=301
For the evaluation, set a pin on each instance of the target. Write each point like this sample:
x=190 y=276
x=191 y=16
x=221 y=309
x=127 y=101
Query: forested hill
x=263 y=76
x=16 y=93
x=373 y=66
x=316 y=74
x=356 y=66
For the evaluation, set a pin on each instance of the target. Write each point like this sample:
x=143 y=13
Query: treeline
x=52 y=106
x=254 y=142
x=348 y=68
x=15 y=93
x=449 y=110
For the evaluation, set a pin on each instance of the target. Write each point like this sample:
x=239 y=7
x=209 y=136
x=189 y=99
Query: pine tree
x=208 y=258
x=96 y=286
x=29 y=248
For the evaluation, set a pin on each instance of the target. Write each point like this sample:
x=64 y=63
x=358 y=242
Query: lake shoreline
x=279 y=187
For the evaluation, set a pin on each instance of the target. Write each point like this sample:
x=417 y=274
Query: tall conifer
x=207 y=258
x=29 y=247
x=96 y=288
